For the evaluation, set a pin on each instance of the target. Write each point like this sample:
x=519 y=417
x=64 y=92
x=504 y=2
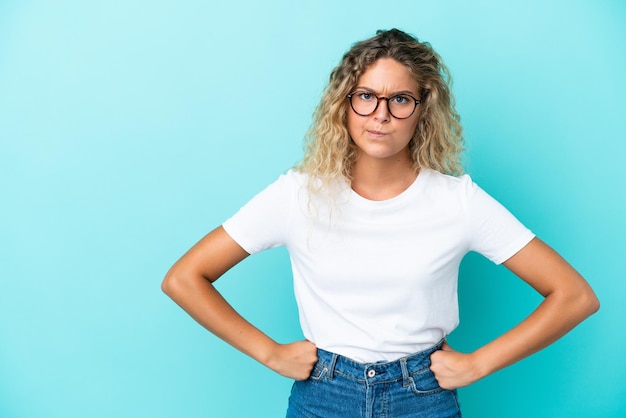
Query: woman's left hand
x=453 y=369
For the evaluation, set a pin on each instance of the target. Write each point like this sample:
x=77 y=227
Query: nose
x=382 y=111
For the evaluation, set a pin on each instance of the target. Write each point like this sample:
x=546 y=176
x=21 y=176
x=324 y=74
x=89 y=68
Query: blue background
x=129 y=129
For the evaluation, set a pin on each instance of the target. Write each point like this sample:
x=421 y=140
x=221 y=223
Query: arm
x=568 y=301
x=190 y=284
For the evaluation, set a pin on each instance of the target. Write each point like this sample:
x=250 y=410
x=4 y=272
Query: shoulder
x=307 y=184
x=293 y=176
x=279 y=191
x=439 y=182
x=455 y=192
x=289 y=181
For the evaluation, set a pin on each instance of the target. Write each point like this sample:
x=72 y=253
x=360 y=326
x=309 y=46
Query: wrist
x=269 y=356
x=482 y=364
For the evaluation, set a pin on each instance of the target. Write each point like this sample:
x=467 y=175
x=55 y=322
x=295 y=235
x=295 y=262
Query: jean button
x=371 y=373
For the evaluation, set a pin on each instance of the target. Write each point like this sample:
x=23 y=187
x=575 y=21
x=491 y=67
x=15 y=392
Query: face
x=380 y=135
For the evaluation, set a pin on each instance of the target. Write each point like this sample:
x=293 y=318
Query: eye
x=401 y=99
x=365 y=96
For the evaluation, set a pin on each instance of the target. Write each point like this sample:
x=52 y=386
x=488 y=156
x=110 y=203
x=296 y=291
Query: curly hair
x=437 y=142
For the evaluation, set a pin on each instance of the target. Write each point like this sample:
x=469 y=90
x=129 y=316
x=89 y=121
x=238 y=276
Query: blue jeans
x=341 y=387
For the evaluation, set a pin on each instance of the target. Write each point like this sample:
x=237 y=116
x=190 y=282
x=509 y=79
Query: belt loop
x=331 y=366
x=405 y=372
x=440 y=343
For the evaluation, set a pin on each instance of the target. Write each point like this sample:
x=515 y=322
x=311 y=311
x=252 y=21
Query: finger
x=445 y=346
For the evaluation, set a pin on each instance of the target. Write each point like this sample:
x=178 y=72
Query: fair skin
x=190 y=283
x=383 y=170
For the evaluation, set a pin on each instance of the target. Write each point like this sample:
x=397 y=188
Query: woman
x=376 y=219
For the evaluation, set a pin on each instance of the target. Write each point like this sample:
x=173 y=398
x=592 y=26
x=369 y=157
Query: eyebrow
x=396 y=93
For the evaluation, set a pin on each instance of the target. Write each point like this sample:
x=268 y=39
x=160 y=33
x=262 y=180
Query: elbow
x=166 y=285
x=178 y=283
x=587 y=302
x=577 y=302
x=593 y=303
x=170 y=284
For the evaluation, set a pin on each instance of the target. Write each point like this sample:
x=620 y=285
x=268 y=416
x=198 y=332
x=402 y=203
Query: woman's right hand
x=294 y=360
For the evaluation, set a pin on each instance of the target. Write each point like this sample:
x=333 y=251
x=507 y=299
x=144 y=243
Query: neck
x=382 y=179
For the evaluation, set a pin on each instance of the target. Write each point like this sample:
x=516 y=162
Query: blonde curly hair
x=437 y=143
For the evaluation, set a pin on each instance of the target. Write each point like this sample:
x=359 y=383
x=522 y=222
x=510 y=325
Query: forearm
x=190 y=284
x=553 y=318
x=199 y=298
x=568 y=300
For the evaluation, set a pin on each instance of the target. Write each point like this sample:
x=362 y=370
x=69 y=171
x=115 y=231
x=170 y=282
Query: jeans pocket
x=423 y=382
x=319 y=371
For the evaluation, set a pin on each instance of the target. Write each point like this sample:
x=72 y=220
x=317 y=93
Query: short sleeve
x=494 y=231
x=262 y=223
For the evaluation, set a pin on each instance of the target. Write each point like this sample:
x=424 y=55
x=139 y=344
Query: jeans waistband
x=379 y=372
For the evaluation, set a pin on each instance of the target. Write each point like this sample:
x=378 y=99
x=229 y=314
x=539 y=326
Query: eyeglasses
x=400 y=106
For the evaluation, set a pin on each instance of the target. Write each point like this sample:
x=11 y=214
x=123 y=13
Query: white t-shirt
x=377 y=280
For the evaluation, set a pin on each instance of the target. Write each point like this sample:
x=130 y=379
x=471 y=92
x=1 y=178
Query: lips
x=376 y=134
